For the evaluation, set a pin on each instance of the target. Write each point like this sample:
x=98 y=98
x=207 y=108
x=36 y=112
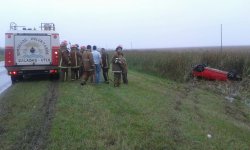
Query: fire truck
x=29 y=51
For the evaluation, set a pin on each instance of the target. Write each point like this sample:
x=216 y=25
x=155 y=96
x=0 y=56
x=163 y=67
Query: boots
x=83 y=83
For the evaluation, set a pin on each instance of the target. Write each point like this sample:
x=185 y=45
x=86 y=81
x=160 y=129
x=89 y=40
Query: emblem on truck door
x=32 y=50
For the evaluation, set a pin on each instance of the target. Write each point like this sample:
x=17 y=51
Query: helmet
x=83 y=47
x=64 y=43
x=73 y=46
x=118 y=47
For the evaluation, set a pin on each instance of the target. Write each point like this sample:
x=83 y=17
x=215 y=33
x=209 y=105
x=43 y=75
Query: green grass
x=19 y=110
x=149 y=113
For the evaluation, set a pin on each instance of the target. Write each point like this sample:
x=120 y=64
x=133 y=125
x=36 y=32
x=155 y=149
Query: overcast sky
x=136 y=23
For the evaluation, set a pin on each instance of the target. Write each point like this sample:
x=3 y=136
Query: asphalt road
x=5 y=80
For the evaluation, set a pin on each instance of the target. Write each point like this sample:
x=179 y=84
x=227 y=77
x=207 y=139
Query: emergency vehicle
x=29 y=51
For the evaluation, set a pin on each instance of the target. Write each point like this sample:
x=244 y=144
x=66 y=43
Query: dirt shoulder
x=36 y=136
x=26 y=114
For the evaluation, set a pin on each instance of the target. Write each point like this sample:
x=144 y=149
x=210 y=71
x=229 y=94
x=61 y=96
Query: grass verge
x=149 y=113
x=19 y=113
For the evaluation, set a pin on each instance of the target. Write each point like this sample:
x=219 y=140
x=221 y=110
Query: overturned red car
x=205 y=72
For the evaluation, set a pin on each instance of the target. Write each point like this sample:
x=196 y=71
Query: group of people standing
x=87 y=62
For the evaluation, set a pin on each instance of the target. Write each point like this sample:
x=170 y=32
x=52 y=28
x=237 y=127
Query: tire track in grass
x=175 y=120
x=37 y=131
x=171 y=122
x=174 y=123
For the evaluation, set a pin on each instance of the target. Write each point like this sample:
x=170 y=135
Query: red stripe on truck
x=55 y=55
x=9 y=56
x=8 y=35
x=55 y=36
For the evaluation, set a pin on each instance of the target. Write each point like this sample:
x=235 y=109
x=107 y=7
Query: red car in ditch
x=202 y=71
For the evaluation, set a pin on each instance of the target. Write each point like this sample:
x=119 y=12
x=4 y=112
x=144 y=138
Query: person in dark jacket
x=117 y=66
x=105 y=65
x=64 y=61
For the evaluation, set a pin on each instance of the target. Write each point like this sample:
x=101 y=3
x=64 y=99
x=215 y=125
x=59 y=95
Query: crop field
x=176 y=64
x=160 y=108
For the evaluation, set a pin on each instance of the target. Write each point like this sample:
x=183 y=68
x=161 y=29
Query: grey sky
x=144 y=23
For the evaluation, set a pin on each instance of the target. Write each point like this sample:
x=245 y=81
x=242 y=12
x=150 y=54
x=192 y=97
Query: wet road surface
x=5 y=80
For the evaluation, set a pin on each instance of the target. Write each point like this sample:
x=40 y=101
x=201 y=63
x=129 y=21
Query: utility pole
x=221 y=38
x=219 y=55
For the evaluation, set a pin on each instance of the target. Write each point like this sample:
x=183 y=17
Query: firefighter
x=88 y=65
x=77 y=46
x=105 y=65
x=64 y=61
x=82 y=49
x=117 y=66
x=75 y=58
x=124 y=69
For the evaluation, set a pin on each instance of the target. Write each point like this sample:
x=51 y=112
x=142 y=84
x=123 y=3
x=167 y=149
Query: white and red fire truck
x=32 y=52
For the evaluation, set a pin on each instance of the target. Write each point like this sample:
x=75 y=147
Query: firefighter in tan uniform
x=88 y=65
x=64 y=61
x=82 y=49
x=75 y=58
x=117 y=66
x=124 y=69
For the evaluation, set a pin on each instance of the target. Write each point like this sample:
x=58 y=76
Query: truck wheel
x=20 y=78
x=54 y=77
x=13 y=79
